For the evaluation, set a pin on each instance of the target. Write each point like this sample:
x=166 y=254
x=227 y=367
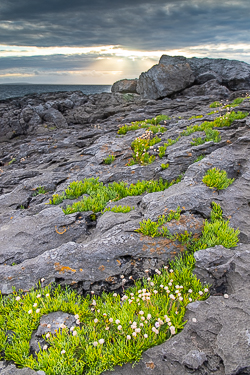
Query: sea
x=18 y=90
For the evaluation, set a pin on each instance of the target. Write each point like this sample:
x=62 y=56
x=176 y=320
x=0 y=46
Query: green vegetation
x=199 y=158
x=235 y=103
x=39 y=190
x=109 y=159
x=199 y=116
x=215 y=104
x=212 y=112
x=110 y=330
x=211 y=135
x=12 y=161
x=216 y=178
x=116 y=209
x=140 y=146
x=164 y=166
x=150 y=124
x=99 y=195
x=215 y=232
x=157 y=229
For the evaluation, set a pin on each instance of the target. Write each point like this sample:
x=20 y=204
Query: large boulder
x=125 y=86
x=233 y=74
x=164 y=80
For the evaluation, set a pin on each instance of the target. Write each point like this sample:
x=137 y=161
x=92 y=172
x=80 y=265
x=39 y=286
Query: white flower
x=63 y=351
x=130 y=277
x=200 y=293
x=74 y=333
x=117 y=321
x=71 y=328
x=130 y=301
x=93 y=303
x=190 y=299
x=177 y=286
x=141 y=324
x=194 y=320
x=95 y=320
x=18 y=298
x=190 y=291
x=206 y=290
x=45 y=347
x=35 y=305
x=119 y=327
x=95 y=343
x=165 y=287
x=170 y=284
x=78 y=321
x=48 y=325
x=146 y=322
x=147 y=270
x=155 y=291
x=107 y=328
x=128 y=337
x=141 y=312
x=172 y=330
x=101 y=341
x=149 y=316
x=111 y=320
x=152 y=284
x=124 y=298
x=172 y=296
x=47 y=335
x=37 y=311
x=47 y=295
x=134 y=334
x=92 y=292
x=76 y=316
x=131 y=294
x=115 y=295
x=122 y=276
x=181 y=298
x=63 y=326
x=30 y=312
x=171 y=271
x=161 y=286
x=38 y=296
x=149 y=278
x=43 y=279
x=104 y=314
x=142 y=318
x=157 y=324
x=146 y=336
x=138 y=330
x=226 y=295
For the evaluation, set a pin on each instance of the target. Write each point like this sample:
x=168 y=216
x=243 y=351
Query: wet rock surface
x=50 y=140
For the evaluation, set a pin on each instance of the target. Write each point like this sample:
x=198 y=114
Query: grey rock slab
x=125 y=86
x=26 y=237
x=13 y=370
x=162 y=80
x=54 y=116
x=212 y=88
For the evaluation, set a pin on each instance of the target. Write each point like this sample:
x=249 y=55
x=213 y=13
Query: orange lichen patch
x=228 y=141
x=118 y=261
x=57 y=231
x=73 y=282
x=10 y=278
x=11 y=217
x=190 y=154
x=132 y=172
x=110 y=279
x=150 y=365
x=80 y=269
x=62 y=269
x=133 y=262
x=144 y=247
x=101 y=268
x=183 y=208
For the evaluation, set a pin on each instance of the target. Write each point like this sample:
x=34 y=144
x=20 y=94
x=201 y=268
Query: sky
x=102 y=41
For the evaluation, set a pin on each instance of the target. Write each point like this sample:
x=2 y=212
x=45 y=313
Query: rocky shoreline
x=50 y=140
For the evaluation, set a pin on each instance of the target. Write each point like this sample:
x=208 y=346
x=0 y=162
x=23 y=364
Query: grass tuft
x=216 y=178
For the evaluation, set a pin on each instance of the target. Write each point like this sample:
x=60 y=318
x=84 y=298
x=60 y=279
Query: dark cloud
x=134 y=24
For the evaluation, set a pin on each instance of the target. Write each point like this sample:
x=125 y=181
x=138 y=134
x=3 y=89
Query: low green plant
x=211 y=135
x=117 y=209
x=22 y=207
x=150 y=124
x=198 y=116
x=199 y=158
x=165 y=166
x=156 y=228
x=39 y=190
x=216 y=178
x=212 y=112
x=98 y=195
x=12 y=161
x=235 y=103
x=140 y=146
x=109 y=159
x=215 y=104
